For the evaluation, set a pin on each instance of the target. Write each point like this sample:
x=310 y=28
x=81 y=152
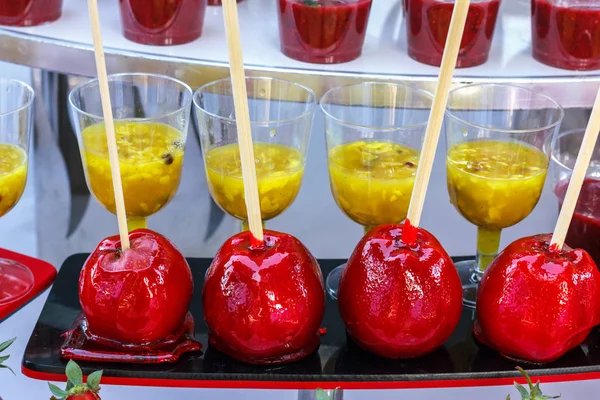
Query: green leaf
x=4 y=358
x=93 y=381
x=58 y=392
x=536 y=391
x=70 y=386
x=322 y=395
x=74 y=373
x=522 y=391
x=508 y=397
x=6 y=345
x=8 y=368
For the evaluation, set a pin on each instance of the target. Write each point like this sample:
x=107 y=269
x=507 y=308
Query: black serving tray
x=338 y=362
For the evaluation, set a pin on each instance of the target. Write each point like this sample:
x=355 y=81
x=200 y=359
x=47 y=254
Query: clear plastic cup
x=29 y=13
x=566 y=33
x=162 y=22
x=428 y=22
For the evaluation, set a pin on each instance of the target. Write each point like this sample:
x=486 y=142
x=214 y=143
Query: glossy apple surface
x=400 y=301
x=139 y=296
x=264 y=305
x=536 y=304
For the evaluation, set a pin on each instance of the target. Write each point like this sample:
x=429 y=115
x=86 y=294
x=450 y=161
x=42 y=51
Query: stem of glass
x=488 y=243
x=136 y=223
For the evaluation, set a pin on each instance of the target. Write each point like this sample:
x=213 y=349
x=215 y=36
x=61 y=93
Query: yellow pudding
x=495 y=184
x=372 y=181
x=279 y=171
x=13 y=175
x=150 y=159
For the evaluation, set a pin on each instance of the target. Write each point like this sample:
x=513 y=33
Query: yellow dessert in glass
x=150 y=159
x=279 y=171
x=372 y=181
x=13 y=175
x=494 y=185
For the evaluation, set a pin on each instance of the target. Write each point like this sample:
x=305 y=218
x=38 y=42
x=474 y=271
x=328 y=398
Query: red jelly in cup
x=323 y=31
x=162 y=22
x=29 y=12
x=584 y=231
x=566 y=33
x=428 y=22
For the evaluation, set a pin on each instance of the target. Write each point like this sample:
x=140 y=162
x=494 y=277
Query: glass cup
x=29 y=12
x=151 y=115
x=566 y=33
x=584 y=231
x=323 y=31
x=374 y=134
x=162 y=22
x=428 y=22
x=281 y=115
x=499 y=140
x=16 y=100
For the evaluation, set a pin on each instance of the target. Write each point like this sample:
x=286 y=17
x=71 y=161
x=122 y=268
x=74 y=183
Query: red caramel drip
x=264 y=305
x=399 y=300
x=409 y=233
x=535 y=303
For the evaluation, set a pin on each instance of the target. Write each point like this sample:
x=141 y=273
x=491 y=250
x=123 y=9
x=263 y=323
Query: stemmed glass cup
x=499 y=141
x=16 y=101
x=151 y=114
x=584 y=231
x=281 y=115
x=374 y=134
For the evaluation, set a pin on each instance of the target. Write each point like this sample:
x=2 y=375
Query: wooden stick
x=436 y=118
x=109 y=124
x=577 y=177
x=240 y=99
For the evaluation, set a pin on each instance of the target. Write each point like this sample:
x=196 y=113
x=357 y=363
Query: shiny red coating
x=264 y=305
x=138 y=296
x=29 y=12
x=400 y=301
x=535 y=304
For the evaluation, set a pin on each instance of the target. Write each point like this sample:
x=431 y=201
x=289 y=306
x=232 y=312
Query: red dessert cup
x=162 y=22
x=218 y=2
x=428 y=22
x=29 y=12
x=566 y=33
x=323 y=31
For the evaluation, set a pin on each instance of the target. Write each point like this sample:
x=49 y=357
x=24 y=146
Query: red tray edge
x=313 y=385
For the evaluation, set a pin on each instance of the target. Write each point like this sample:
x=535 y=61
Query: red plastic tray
x=43 y=276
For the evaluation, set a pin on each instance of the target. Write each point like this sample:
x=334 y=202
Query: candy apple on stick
x=135 y=289
x=263 y=296
x=400 y=295
x=540 y=298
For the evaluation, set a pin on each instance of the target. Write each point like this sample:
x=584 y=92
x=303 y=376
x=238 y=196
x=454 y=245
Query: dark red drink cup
x=323 y=31
x=566 y=34
x=428 y=22
x=29 y=12
x=218 y=2
x=584 y=231
x=162 y=22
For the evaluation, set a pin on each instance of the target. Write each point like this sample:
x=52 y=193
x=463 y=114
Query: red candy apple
x=138 y=296
x=400 y=301
x=264 y=304
x=535 y=304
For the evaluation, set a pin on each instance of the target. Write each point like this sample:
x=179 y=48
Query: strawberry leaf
x=93 y=381
x=535 y=393
x=58 y=392
x=74 y=373
x=322 y=395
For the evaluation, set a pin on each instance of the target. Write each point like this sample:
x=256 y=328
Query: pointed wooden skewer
x=577 y=177
x=436 y=118
x=109 y=124
x=240 y=99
